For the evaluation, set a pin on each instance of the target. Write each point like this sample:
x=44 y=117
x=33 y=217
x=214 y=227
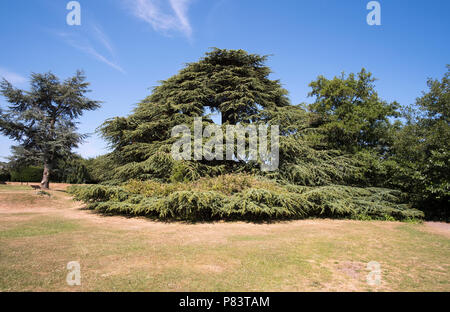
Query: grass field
x=40 y=235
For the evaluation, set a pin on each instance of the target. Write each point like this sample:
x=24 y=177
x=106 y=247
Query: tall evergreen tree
x=230 y=82
x=42 y=119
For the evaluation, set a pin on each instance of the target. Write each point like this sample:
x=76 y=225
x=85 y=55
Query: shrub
x=27 y=174
x=244 y=197
x=4 y=175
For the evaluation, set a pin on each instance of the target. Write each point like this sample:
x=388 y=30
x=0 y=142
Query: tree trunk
x=45 y=183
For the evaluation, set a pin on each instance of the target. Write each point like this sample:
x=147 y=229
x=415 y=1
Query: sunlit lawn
x=39 y=236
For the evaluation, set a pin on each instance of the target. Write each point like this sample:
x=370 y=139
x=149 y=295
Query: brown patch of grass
x=37 y=240
x=440 y=228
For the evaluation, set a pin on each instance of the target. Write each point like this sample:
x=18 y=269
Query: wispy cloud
x=87 y=48
x=85 y=45
x=103 y=38
x=151 y=12
x=11 y=76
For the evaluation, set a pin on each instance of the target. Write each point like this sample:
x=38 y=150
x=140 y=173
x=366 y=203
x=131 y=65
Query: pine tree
x=230 y=82
x=42 y=119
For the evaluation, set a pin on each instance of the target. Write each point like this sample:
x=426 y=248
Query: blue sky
x=127 y=46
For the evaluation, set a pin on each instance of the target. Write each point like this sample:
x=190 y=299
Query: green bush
x=4 y=175
x=27 y=174
x=244 y=197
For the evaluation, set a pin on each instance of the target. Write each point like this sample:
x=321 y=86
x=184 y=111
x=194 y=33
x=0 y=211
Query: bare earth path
x=39 y=236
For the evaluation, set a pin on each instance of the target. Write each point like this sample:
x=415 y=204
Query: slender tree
x=42 y=120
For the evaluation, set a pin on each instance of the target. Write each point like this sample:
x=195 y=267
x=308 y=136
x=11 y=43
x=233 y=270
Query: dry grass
x=39 y=236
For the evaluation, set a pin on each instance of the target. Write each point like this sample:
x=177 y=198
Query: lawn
x=40 y=235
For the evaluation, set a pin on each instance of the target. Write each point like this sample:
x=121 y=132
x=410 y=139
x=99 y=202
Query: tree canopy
x=351 y=112
x=421 y=150
x=230 y=82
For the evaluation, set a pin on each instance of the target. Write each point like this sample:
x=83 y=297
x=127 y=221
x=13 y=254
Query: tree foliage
x=421 y=150
x=73 y=170
x=27 y=174
x=243 y=197
x=231 y=82
x=5 y=175
x=351 y=112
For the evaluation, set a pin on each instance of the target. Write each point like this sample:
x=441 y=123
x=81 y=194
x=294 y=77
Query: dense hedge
x=27 y=174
